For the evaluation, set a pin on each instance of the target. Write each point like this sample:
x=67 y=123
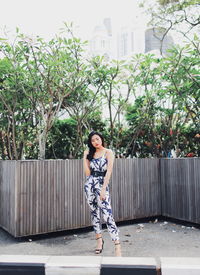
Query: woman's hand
x=85 y=154
x=86 y=163
x=103 y=193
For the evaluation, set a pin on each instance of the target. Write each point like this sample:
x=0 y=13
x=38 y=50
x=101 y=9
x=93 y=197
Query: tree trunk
x=110 y=116
x=42 y=135
x=2 y=144
x=42 y=143
x=14 y=145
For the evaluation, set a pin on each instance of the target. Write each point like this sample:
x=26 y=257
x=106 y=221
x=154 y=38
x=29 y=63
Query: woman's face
x=96 y=141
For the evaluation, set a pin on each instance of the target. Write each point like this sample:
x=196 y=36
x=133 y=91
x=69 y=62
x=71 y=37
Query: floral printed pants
x=92 y=189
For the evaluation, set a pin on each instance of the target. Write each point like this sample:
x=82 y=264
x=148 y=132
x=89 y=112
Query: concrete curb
x=180 y=266
x=96 y=265
x=128 y=265
x=22 y=265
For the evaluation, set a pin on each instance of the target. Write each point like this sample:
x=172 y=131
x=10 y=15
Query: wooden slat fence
x=7 y=195
x=180 y=182
x=45 y=196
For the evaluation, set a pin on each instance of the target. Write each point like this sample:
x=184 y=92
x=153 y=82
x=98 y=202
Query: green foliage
x=167 y=115
x=166 y=2
x=16 y=110
x=177 y=3
x=62 y=139
x=152 y=103
x=44 y=74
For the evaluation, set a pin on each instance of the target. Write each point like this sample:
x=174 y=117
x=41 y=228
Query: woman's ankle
x=117 y=242
x=98 y=236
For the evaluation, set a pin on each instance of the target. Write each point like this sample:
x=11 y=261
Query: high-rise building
x=155 y=39
x=101 y=41
x=127 y=41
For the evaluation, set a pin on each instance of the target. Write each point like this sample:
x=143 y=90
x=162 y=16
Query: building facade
x=127 y=41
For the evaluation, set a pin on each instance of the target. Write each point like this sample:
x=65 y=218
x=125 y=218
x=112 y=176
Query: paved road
x=140 y=239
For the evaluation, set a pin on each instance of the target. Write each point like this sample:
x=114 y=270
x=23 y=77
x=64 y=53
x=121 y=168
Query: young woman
x=98 y=164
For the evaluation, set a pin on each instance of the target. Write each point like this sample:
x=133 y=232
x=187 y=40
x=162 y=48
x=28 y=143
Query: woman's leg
x=107 y=215
x=94 y=208
x=118 y=249
x=105 y=206
x=95 y=214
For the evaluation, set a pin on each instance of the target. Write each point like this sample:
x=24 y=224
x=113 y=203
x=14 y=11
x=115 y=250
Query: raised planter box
x=46 y=196
x=180 y=183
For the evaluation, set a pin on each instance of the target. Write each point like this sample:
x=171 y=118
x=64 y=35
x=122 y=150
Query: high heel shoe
x=99 y=250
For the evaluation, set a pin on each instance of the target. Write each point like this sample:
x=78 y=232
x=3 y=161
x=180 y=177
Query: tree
x=160 y=119
x=84 y=101
x=15 y=109
x=55 y=69
x=49 y=73
x=116 y=92
x=145 y=71
x=182 y=17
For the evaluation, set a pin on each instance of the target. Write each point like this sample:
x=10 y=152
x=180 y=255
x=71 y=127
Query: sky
x=45 y=17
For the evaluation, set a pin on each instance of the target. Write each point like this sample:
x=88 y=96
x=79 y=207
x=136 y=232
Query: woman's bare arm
x=86 y=164
x=110 y=158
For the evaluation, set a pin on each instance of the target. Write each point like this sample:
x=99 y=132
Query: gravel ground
x=141 y=238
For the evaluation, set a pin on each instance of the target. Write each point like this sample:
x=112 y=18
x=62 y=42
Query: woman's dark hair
x=92 y=149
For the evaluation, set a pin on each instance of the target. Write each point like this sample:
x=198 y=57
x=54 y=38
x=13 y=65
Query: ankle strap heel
x=98 y=251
